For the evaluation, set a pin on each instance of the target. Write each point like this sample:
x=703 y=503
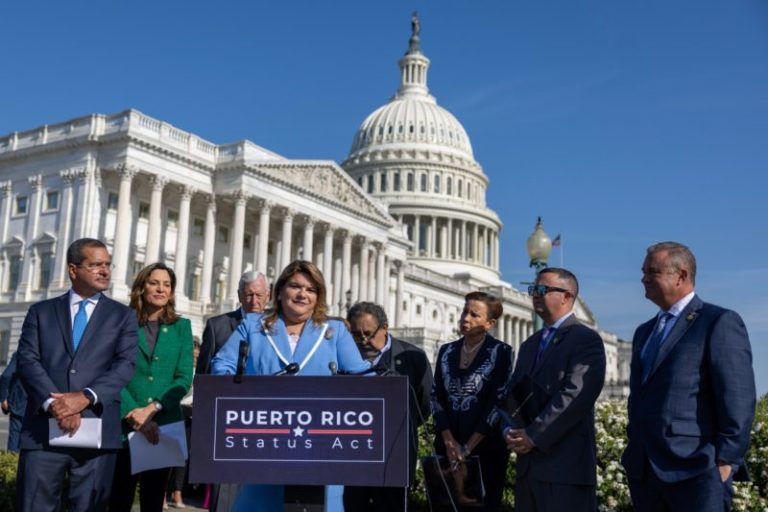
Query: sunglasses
x=542 y=289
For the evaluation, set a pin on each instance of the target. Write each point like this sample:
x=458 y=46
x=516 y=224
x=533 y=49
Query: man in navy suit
x=13 y=401
x=692 y=393
x=75 y=354
x=558 y=376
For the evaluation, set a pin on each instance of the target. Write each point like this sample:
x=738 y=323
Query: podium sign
x=346 y=430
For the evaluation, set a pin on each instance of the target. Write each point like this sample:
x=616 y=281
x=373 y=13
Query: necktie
x=78 y=326
x=543 y=342
x=651 y=350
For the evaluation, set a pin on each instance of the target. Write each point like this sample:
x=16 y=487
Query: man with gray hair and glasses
x=253 y=293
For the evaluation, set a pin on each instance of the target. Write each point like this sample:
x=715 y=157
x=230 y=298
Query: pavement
x=193 y=498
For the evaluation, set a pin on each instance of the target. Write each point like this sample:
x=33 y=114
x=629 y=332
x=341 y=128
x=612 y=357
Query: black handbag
x=453 y=488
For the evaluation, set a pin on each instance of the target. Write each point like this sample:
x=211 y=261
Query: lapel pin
x=329 y=333
x=691 y=316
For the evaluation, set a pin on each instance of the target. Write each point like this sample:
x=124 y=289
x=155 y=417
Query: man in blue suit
x=692 y=393
x=75 y=354
x=13 y=401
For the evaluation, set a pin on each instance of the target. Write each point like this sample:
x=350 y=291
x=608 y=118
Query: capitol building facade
x=402 y=221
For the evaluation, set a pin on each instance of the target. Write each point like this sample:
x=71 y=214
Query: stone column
x=497 y=250
x=122 y=245
x=346 y=265
x=328 y=260
x=7 y=199
x=263 y=251
x=152 y=252
x=182 y=240
x=463 y=241
x=380 y=277
x=209 y=241
x=433 y=238
x=286 y=239
x=60 y=274
x=309 y=231
x=444 y=241
x=236 y=244
x=416 y=236
x=30 y=258
x=476 y=243
x=399 y=317
x=363 y=292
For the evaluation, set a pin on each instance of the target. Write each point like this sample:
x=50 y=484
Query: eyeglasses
x=258 y=296
x=542 y=289
x=365 y=336
x=97 y=267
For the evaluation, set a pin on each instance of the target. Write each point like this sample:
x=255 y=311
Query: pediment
x=324 y=181
x=583 y=313
x=45 y=238
x=15 y=242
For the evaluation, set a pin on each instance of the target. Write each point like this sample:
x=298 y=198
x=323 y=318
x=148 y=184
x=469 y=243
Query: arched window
x=437 y=184
x=383 y=182
x=397 y=181
x=459 y=187
x=409 y=182
x=448 y=188
x=424 y=182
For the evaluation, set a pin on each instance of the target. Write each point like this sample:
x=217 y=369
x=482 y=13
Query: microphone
x=289 y=369
x=245 y=348
x=379 y=369
x=333 y=367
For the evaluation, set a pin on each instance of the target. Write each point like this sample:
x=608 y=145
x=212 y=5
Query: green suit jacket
x=164 y=375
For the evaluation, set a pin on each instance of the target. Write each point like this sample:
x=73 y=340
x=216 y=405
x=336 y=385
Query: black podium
x=300 y=431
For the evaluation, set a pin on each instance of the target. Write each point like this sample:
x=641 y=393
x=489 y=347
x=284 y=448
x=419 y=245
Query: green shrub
x=9 y=462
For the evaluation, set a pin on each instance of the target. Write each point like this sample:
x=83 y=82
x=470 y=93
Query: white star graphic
x=298 y=431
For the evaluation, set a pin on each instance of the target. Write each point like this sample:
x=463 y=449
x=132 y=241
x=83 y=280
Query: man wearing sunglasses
x=691 y=393
x=558 y=377
x=368 y=325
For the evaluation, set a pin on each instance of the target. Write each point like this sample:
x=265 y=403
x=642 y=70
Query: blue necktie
x=543 y=343
x=78 y=326
x=651 y=350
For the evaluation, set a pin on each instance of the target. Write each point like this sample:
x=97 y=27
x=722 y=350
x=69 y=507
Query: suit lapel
x=63 y=316
x=641 y=338
x=307 y=340
x=560 y=333
x=235 y=318
x=684 y=321
x=143 y=347
x=99 y=312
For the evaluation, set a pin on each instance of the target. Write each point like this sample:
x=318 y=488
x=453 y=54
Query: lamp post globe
x=539 y=245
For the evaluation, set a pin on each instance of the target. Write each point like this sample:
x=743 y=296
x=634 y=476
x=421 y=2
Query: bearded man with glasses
x=559 y=375
x=369 y=327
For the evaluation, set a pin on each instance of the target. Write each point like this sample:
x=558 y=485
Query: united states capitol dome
x=412 y=118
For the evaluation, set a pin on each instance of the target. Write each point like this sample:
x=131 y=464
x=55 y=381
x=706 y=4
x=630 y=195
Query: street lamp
x=539 y=246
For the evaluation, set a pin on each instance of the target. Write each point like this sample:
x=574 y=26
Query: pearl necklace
x=466 y=355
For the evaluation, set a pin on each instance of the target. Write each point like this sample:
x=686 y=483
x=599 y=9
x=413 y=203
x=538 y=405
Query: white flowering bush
x=612 y=485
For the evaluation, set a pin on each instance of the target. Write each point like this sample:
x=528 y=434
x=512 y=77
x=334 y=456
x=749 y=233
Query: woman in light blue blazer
x=296 y=332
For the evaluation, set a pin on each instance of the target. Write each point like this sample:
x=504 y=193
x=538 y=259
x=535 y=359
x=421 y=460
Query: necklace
x=467 y=355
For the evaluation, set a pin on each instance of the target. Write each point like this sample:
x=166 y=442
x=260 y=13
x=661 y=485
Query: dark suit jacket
x=565 y=384
x=11 y=388
x=48 y=362
x=697 y=405
x=163 y=375
x=409 y=360
x=216 y=333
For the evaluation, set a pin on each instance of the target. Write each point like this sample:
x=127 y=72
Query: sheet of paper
x=170 y=452
x=87 y=436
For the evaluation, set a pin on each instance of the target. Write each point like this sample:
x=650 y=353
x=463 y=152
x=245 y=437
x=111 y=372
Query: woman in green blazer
x=162 y=378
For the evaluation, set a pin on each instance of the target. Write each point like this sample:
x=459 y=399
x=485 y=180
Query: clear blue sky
x=620 y=123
